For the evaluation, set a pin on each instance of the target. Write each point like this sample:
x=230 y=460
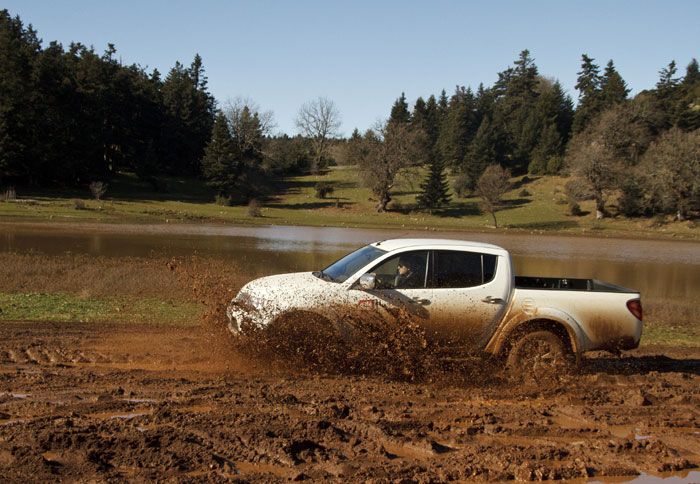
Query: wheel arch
x=560 y=324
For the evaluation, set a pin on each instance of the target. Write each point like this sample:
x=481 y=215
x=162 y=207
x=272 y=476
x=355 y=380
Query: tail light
x=635 y=307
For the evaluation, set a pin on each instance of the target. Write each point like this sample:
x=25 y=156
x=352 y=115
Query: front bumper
x=242 y=317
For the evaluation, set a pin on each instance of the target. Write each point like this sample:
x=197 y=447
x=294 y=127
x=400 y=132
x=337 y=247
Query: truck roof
x=396 y=244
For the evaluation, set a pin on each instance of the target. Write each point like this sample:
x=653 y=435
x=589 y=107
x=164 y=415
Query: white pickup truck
x=464 y=294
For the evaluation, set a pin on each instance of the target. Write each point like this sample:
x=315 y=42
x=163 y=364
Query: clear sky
x=363 y=54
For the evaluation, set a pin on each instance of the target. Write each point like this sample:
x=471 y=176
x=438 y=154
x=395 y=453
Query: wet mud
x=124 y=401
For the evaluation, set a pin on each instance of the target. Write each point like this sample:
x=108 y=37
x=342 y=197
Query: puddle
x=666 y=478
x=118 y=416
x=17 y=395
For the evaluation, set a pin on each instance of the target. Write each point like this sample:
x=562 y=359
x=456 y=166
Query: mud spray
x=397 y=348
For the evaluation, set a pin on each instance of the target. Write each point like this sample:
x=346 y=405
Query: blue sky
x=363 y=54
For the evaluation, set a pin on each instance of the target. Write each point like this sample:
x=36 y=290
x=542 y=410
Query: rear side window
x=453 y=269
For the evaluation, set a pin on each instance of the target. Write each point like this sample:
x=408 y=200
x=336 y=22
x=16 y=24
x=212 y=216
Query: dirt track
x=102 y=402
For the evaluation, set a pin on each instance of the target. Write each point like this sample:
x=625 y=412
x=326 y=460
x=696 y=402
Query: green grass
x=186 y=200
x=664 y=335
x=66 y=307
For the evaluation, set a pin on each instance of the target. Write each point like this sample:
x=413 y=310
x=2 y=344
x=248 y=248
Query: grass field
x=533 y=205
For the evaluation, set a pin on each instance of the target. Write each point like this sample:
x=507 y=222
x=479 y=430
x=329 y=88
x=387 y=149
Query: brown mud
x=103 y=402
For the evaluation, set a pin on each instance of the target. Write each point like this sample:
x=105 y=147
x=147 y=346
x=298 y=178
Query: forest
x=71 y=116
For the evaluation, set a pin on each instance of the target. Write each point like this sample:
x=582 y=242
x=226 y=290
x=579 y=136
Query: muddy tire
x=539 y=355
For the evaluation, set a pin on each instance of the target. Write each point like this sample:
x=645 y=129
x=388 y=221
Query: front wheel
x=539 y=354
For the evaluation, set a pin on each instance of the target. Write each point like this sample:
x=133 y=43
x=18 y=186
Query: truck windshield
x=340 y=270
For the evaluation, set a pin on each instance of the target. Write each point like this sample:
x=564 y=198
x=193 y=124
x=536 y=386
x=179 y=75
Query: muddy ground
x=121 y=401
x=114 y=401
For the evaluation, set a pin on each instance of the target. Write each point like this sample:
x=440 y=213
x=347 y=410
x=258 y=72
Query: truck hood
x=284 y=291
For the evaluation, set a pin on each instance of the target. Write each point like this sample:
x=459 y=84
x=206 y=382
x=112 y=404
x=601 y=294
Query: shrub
x=323 y=189
x=461 y=185
x=554 y=165
x=223 y=200
x=98 y=189
x=254 y=208
x=79 y=204
x=524 y=193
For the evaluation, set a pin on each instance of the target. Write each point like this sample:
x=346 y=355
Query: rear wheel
x=539 y=354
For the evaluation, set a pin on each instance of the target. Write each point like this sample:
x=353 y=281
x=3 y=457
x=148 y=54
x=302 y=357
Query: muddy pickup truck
x=464 y=295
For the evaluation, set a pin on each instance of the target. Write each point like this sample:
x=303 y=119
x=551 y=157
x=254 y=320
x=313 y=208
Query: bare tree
x=671 y=172
x=319 y=121
x=491 y=187
x=388 y=149
x=98 y=189
x=234 y=109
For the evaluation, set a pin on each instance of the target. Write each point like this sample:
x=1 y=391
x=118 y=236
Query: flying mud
x=129 y=401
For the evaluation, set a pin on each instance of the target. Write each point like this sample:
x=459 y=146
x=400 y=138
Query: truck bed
x=567 y=284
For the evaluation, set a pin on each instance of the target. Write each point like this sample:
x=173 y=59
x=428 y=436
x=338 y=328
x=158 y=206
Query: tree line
x=616 y=147
x=72 y=116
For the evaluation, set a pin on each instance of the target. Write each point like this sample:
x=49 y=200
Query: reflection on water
x=660 y=269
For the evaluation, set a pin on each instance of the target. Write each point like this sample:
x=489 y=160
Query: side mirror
x=368 y=281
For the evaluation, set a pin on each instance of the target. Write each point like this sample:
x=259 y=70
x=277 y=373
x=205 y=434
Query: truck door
x=400 y=287
x=467 y=297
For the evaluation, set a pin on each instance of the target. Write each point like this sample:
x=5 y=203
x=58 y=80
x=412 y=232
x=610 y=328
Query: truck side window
x=404 y=271
x=454 y=269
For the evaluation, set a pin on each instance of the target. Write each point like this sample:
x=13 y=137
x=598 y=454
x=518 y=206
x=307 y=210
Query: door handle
x=423 y=302
x=492 y=300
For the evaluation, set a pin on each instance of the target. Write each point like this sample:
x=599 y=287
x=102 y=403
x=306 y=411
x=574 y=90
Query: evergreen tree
x=399 y=111
x=189 y=109
x=220 y=166
x=19 y=47
x=419 y=115
x=692 y=74
x=248 y=148
x=546 y=157
x=434 y=189
x=667 y=80
x=443 y=105
x=588 y=85
x=514 y=110
x=432 y=124
x=613 y=89
x=483 y=151
x=458 y=128
x=688 y=117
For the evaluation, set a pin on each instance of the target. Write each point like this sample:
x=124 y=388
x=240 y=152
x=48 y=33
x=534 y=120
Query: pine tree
x=692 y=74
x=219 y=164
x=458 y=128
x=399 y=111
x=667 y=80
x=432 y=124
x=548 y=148
x=588 y=86
x=688 y=109
x=613 y=89
x=434 y=189
x=482 y=153
x=248 y=148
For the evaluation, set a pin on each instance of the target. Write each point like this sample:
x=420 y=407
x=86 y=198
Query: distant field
x=534 y=205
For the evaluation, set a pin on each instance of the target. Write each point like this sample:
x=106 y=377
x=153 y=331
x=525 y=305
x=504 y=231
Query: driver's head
x=405 y=265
